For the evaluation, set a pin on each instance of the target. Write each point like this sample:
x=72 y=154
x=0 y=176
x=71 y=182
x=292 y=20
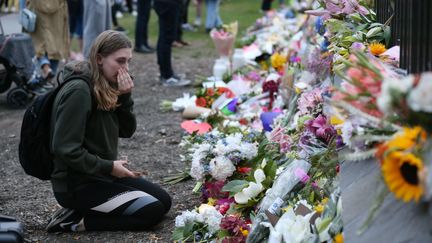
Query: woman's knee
x=153 y=212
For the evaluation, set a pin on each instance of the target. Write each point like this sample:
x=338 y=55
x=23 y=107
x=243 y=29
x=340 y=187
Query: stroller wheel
x=18 y=97
x=5 y=81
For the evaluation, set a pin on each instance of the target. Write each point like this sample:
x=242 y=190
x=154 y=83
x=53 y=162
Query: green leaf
x=235 y=186
x=222 y=234
x=177 y=234
x=324 y=223
x=197 y=186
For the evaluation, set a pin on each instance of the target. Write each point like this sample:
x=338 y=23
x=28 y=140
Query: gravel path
x=153 y=148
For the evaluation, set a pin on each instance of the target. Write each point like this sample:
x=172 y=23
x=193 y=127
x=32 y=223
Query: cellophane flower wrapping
x=284 y=183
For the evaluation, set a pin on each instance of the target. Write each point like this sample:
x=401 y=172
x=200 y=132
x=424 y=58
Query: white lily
x=252 y=190
x=183 y=102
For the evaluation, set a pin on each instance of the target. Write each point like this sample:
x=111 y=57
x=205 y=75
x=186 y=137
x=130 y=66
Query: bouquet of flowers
x=406 y=100
x=220 y=155
x=361 y=85
x=223 y=38
x=206 y=96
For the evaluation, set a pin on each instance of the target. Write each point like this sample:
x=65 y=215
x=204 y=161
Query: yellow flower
x=408 y=138
x=324 y=200
x=319 y=208
x=377 y=48
x=401 y=174
x=211 y=201
x=334 y=120
x=277 y=61
x=338 y=238
x=244 y=232
x=264 y=65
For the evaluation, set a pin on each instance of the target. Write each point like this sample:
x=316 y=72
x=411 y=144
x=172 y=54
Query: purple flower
x=295 y=59
x=358 y=46
x=254 y=76
x=319 y=63
x=301 y=174
x=321 y=129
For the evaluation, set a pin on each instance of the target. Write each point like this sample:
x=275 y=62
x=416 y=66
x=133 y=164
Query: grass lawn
x=244 y=11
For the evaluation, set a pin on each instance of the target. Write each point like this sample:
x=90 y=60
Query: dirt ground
x=153 y=148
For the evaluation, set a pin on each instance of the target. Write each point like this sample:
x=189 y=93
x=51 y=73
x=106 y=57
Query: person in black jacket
x=141 y=27
x=168 y=12
x=95 y=188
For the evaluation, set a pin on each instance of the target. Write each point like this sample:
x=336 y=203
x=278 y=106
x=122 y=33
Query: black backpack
x=34 y=147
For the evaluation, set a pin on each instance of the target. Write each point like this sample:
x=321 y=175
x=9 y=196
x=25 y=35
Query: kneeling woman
x=95 y=188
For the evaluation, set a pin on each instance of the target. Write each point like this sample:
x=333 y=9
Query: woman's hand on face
x=120 y=171
x=124 y=80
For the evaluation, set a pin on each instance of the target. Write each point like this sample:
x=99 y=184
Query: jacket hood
x=79 y=69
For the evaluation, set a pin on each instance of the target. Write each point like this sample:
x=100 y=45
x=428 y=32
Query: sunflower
x=377 y=48
x=408 y=138
x=401 y=174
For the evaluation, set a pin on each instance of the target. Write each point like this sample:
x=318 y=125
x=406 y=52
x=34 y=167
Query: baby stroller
x=16 y=66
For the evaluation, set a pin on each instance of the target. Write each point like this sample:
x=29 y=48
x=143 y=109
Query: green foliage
x=235 y=186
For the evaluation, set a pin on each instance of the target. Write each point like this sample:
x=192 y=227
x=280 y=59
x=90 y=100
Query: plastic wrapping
x=282 y=186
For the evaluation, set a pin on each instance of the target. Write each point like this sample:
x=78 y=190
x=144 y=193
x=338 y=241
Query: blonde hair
x=106 y=43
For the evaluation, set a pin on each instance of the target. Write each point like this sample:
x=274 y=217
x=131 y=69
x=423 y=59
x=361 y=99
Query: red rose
x=244 y=170
x=201 y=102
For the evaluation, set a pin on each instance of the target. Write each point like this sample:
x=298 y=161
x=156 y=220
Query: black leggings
x=125 y=204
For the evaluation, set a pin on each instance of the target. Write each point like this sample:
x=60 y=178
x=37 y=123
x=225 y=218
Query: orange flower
x=210 y=92
x=377 y=48
x=221 y=90
x=201 y=102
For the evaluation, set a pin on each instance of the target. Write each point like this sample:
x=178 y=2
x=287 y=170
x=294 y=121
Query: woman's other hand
x=119 y=170
x=124 y=80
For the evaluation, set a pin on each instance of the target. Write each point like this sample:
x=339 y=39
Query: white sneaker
x=13 y=9
x=197 y=22
x=134 y=13
x=188 y=27
x=175 y=82
x=119 y=15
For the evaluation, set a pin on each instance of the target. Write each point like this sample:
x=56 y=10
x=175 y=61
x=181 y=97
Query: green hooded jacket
x=84 y=139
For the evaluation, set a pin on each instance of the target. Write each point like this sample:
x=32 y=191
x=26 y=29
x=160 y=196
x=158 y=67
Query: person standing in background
x=184 y=17
x=51 y=35
x=117 y=12
x=141 y=27
x=198 y=5
x=76 y=10
x=168 y=12
x=178 y=41
x=97 y=19
x=213 y=19
x=266 y=5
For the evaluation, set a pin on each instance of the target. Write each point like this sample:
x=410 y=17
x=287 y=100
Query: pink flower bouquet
x=224 y=39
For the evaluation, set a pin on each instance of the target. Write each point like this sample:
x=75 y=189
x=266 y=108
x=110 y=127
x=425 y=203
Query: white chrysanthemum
x=212 y=218
x=419 y=98
x=186 y=217
x=221 y=168
x=197 y=170
x=234 y=143
x=248 y=150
